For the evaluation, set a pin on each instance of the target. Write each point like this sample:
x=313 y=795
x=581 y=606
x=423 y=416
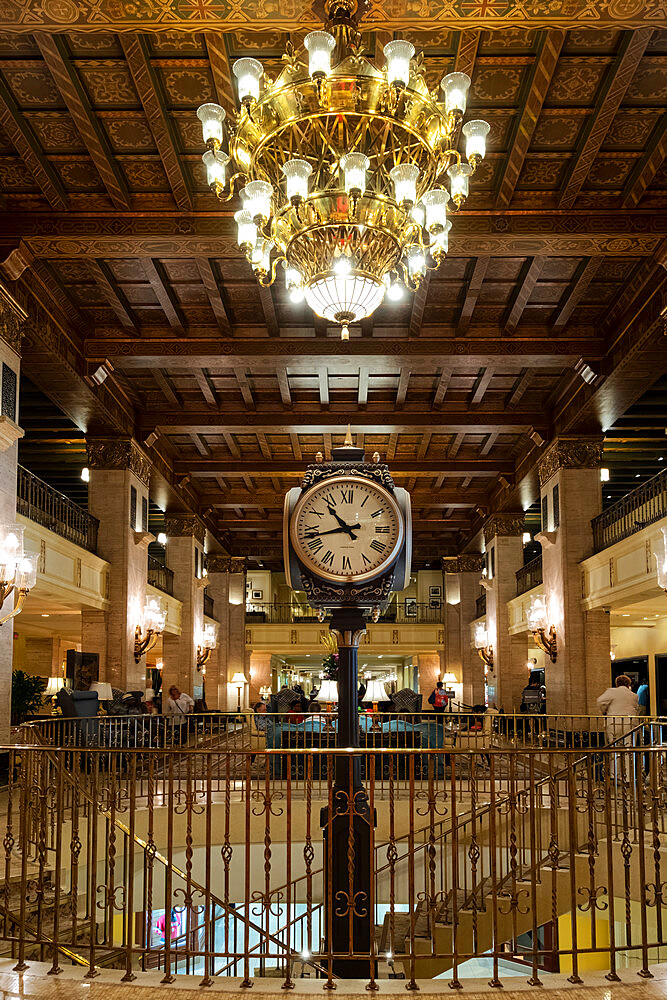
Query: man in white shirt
x=179 y=706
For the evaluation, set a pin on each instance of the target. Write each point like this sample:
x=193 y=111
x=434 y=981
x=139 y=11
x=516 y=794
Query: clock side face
x=347 y=529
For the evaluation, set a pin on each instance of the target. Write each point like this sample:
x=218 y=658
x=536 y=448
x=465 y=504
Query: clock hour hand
x=343 y=524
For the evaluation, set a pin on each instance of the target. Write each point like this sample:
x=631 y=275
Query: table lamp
x=239 y=682
x=375 y=692
x=328 y=694
x=104 y=692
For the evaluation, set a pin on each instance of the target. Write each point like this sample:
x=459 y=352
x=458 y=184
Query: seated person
x=261 y=720
x=295 y=713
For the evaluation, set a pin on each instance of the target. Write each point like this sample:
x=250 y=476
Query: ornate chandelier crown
x=343 y=164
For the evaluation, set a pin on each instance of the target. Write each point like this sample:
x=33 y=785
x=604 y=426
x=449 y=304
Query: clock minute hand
x=334 y=531
x=340 y=520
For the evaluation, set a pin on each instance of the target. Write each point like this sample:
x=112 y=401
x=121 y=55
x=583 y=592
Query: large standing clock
x=347 y=529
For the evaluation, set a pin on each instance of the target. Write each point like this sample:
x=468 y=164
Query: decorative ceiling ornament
x=343 y=167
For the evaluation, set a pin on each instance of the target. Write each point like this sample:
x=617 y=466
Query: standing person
x=438 y=698
x=618 y=704
x=532 y=702
x=179 y=706
x=643 y=698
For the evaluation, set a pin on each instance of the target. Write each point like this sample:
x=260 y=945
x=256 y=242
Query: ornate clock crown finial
x=349 y=443
x=348 y=452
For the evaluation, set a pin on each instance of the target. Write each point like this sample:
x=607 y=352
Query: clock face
x=347 y=529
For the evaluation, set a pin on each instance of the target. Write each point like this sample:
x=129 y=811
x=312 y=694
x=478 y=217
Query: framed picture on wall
x=258 y=595
x=435 y=591
x=435 y=603
x=410 y=607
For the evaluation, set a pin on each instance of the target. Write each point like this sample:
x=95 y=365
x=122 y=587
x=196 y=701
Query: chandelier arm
x=272 y=272
x=17 y=607
x=232 y=185
x=6 y=588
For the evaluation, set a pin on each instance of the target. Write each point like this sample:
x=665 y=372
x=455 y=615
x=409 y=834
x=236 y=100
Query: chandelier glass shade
x=343 y=167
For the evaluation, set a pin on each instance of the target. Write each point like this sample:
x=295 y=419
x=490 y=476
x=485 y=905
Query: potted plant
x=27 y=694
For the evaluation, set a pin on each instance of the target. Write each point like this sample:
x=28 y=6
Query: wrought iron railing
x=209 y=606
x=644 y=506
x=160 y=576
x=402 y=612
x=529 y=576
x=42 y=504
x=480 y=606
x=489 y=846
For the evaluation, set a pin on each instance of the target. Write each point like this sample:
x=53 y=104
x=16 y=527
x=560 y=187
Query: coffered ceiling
x=128 y=261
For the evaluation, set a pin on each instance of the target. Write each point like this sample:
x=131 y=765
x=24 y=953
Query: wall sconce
x=543 y=633
x=661 y=561
x=483 y=646
x=18 y=572
x=146 y=634
x=206 y=641
x=239 y=681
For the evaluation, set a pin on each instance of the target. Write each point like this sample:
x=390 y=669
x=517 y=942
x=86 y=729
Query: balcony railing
x=480 y=606
x=160 y=576
x=646 y=504
x=42 y=504
x=401 y=613
x=209 y=606
x=529 y=576
x=488 y=846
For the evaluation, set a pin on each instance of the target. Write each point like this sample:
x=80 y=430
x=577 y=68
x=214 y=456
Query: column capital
x=467 y=562
x=184 y=526
x=216 y=563
x=12 y=318
x=114 y=453
x=570 y=453
x=504 y=526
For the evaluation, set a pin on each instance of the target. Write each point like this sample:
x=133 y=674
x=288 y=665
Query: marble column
x=430 y=667
x=185 y=557
x=571 y=496
x=118 y=497
x=12 y=322
x=226 y=585
x=504 y=556
x=462 y=588
x=259 y=675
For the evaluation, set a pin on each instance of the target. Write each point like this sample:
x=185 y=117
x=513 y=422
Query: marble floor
x=35 y=984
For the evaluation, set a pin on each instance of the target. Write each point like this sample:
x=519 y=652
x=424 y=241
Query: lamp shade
x=53 y=687
x=238 y=679
x=375 y=692
x=537 y=614
x=481 y=637
x=328 y=693
x=449 y=679
x=150 y=694
x=103 y=689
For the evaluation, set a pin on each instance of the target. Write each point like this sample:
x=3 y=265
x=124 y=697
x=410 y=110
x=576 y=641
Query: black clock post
x=347 y=821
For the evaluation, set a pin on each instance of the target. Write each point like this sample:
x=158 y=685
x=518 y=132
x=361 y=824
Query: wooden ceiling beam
x=472 y=294
x=244 y=389
x=296 y=447
x=362 y=390
x=67 y=80
x=423 y=496
x=283 y=384
x=206 y=386
x=260 y=468
x=648 y=166
x=201 y=445
x=455 y=446
x=549 y=48
x=522 y=293
x=466 y=52
x=489 y=443
x=166 y=388
x=149 y=89
x=264 y=445
x=452 y=418
x=115 y=296
x=418 y=306
x=232 y=447
x=441 y=388
x=424 y=444
x=323 y=383
x=519 y=389
x=612 y=91
x=269 y=310
x=213 y=292
x=402 y=388
x=575 y=291
x=482 y=383
x=221 y=69
x=163 y=292
x=26 y=145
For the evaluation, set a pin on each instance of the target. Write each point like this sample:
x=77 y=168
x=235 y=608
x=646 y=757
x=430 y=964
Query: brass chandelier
x=343 y=167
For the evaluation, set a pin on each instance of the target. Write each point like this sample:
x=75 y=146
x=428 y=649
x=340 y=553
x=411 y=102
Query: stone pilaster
x=504 y=556
x=430 y=667
x=226 y=585
x=118 y=497
x=185 y=557
x=12 y=320
x=462 y=588
x=571 y=496
x=259 y=675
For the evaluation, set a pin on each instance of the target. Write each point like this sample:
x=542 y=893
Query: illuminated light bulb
x=604 y=475
x=343 y=266
x=395 y=289
x=296 y=295
x=435 y=203
x=257 y=199
x=440 y=242
x=297 y=173
x=418 y=213
x=85 y=474
x=398 y=54
x=459 y=182
x=354 y=167
x=216 y=167
x=162 y=538
x=455 y=87
x=28 y=572
x=476 y=133
x=320 y=45
x=247 y=230
x=212 y=117
x=416 y=263
x=404 y=177
x=345 y=332
x=525 y=538
x=260 y=258
x=248 y=73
